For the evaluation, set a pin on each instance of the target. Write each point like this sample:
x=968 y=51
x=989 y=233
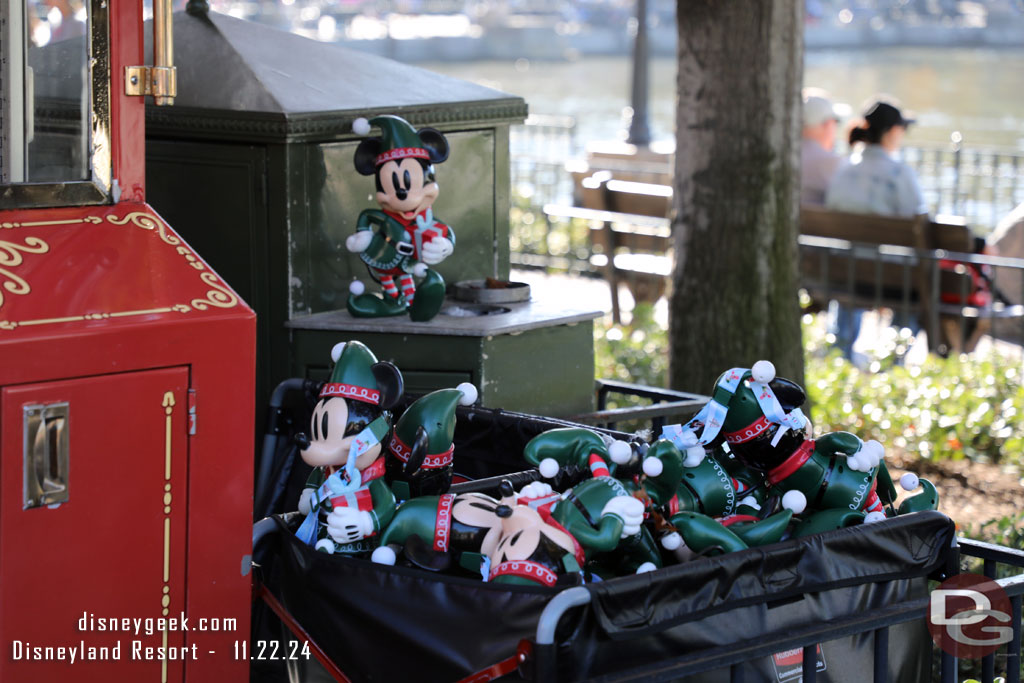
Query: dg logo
x=969 y=616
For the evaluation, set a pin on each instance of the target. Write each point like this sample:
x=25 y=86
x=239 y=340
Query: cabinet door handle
x=46 y=461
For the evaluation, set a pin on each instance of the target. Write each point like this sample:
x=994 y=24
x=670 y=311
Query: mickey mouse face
x=525 y=532
x=406 y=187
x=332 y=431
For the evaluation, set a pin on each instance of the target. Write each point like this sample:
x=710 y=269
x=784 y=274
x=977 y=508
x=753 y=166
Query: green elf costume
x=420 y=452
x=402 y=238
x=346 y=499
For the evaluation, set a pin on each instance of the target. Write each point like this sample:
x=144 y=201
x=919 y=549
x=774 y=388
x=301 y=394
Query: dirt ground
x=969 y=492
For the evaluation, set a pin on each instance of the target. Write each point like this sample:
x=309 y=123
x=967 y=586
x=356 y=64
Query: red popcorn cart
x=126 y=378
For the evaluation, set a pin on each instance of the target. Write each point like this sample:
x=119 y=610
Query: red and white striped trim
x=402 y=153
x=443 y=522
x=526 y=569
x=598 y=467
x=350 y=391
x=872 y=503
x=403 y=452
x=749 y=432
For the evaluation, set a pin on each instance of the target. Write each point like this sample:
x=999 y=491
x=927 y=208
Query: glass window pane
x=58 y=87
x=44 y=91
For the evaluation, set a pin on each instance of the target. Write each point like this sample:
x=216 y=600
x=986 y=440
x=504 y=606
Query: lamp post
x=639 y=125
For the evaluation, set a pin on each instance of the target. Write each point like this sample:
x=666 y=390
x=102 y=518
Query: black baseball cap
x=882 y=116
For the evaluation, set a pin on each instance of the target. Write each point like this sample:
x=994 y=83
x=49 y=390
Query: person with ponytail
x=873 y=180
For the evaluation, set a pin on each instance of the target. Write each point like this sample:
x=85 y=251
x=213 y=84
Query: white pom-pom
x=694 y=456
x=909 y=481
x=548 y=468
x=325 y=545
x=751 y=502
x=356 y=287
x=874 y=451
x=763 y=371
x=646 y=567
x=671 y=541
x=653 y=467
x=469 y=394
x=336 y=351
x=876 y=516
x=383 y=555
x=361 y=126
x=688 y=439
x=620 y=452
x=794 y=500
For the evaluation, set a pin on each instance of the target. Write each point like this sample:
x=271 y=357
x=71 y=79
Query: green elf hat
x=742 y=407
x=435 y=415
x=556 y=448
x=399 y=139
x=352 y=377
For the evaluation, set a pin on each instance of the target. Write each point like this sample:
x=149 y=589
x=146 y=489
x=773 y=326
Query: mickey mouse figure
x=758 y=415
x=346 y=500
x=402 y=238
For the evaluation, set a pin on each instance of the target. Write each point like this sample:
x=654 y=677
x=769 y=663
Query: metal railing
x=982 y=184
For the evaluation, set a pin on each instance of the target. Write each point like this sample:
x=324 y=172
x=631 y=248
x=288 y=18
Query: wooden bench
x=871 y=261
x=628 y=249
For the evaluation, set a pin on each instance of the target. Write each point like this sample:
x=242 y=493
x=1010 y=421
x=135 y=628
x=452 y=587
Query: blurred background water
x=976 y=91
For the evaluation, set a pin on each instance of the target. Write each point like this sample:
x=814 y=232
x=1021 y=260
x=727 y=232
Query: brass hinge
x=159 y=81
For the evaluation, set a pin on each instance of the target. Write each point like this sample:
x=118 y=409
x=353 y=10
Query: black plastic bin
x=381 y=623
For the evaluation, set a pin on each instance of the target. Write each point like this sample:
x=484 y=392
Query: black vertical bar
x=878 y=281
x=988 y=662
x=736 y=673
x=1013 y=647
x=948 y=671
x=882 y=655
x=810 y=663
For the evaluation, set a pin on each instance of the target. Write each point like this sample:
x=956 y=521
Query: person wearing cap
x=818 y=161
x=873 y=180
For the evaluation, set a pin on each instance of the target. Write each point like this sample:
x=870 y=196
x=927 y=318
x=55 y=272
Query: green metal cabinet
x=254 y=161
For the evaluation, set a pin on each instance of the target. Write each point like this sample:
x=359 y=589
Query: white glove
x=358 y=241
x=306 y=501
x=630 y=510
x=346 y=525
x=869 y=455
x=420 y=269
x=535 y=489
x=436 y=250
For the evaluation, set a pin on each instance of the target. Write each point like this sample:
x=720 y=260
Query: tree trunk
x=736 y=184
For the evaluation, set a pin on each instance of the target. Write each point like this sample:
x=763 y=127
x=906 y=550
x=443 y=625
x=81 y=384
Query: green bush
x=945 y=408
x=970 y=407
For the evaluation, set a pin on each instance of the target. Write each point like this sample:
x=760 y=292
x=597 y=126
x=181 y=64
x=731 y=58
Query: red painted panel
x=73 y=269
x=117 y=291
x=116 y=548
x=127 y=113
